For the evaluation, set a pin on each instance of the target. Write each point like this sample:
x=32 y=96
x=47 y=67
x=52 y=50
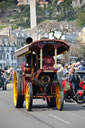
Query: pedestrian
x=65 y=70
x=74 y=79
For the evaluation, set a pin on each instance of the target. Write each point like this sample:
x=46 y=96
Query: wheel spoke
x=58 y=101
x=27 y=97
x=15 y=89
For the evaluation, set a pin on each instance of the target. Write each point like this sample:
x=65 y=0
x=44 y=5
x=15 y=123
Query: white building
x=7 y=49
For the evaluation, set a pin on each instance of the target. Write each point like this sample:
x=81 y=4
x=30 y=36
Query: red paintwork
x=30 y=75
x=57 y=44
x=25 y=83
x=80 y=92
x=82 y=85
x=48 y=60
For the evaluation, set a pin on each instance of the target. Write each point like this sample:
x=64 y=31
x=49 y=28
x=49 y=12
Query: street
x=73 y=115
x=42 y=55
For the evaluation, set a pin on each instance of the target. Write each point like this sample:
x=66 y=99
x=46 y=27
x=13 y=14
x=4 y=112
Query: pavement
x=10 y=84
x=73 y=115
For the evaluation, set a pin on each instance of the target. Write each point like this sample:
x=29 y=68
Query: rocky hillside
x=16 y=16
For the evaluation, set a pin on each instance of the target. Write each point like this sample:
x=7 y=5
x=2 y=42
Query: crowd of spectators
x=79 y=65
x=68 y=73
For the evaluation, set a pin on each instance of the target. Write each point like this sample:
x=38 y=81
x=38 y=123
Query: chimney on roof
x=29 y=40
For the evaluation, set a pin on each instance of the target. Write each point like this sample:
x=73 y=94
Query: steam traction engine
x=37 y=75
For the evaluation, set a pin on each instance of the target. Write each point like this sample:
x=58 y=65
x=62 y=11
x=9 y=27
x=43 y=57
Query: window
x=14 y=64
x=0 y=56
x=15 y=58
x=3 y=56
x=3 y=42
x=13 y=49
x=12 y=57
x=8 y=49
x=2 y=48
x=7 y=56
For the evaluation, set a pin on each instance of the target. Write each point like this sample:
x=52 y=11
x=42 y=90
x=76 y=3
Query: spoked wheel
x=59 y=97
x=17 y=97
x=28 y=97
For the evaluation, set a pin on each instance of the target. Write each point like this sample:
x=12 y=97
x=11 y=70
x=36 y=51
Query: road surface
x=72 y=116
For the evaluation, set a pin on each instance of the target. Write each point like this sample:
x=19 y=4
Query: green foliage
x=80 y=21
x=66 y=10
x=67 y=2
x=80 y=16
x=62 y=11
x=9 y=1
x=1 y=27
x=12 y=1
x=6 y=5
x=14 y=26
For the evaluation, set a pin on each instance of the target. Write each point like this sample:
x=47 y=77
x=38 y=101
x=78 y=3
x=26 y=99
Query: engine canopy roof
x=60 y=45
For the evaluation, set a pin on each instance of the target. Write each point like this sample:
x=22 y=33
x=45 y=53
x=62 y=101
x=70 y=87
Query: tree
x=80 y=21
x=77 y=49
x=5 y=4
x=66 y=10
x=12 y=1
x=53 y=26
x=9 y=1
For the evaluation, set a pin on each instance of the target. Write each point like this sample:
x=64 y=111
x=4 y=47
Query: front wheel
x=17 y=97
x=28 y=96
x=79 y=99
x=59 y=96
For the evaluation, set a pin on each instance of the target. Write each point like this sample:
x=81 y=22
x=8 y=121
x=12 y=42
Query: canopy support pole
x=55 y=58
x=41 y=55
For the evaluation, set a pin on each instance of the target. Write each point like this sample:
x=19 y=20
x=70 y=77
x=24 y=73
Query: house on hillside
x=21 y=2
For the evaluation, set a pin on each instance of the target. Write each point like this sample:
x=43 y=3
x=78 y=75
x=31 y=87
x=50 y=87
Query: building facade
x=7 y=49
x=8 y=45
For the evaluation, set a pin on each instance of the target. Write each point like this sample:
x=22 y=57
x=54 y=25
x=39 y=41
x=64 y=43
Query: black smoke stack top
x=29 y=40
